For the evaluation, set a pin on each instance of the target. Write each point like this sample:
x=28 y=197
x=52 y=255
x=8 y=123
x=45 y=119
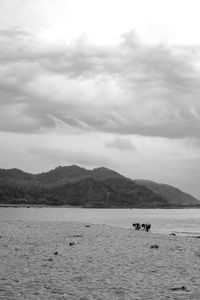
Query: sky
x=113 y=83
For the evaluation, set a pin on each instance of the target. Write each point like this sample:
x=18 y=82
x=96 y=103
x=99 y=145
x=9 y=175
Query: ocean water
x=181 y=221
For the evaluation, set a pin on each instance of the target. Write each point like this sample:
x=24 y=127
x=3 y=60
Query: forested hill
x=171 y=193
x=73 y=185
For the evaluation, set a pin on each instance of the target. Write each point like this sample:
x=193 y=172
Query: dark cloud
x=14 y=32
x=129 y=88
x=121 y=144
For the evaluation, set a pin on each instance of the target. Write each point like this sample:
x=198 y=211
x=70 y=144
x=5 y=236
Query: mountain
x=73 y=185
x=15 y=174
x=111 y=192
x=62 y=175
x=173 y=195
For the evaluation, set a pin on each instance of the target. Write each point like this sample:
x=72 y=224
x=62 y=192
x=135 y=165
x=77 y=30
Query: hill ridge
x=170 y=192
x=88 y=188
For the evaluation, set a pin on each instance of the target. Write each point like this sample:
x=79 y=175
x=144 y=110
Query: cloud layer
x=129 y=88
x=56 y=156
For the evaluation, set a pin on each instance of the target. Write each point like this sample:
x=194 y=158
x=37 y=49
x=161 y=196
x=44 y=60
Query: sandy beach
x=77 y=261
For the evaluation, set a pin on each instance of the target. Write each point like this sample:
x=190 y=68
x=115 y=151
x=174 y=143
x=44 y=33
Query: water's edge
x=179 y=221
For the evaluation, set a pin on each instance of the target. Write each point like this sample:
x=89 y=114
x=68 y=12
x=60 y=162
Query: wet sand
x=73 y=261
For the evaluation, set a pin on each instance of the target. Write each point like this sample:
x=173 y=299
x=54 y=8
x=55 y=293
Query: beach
x=61 y=260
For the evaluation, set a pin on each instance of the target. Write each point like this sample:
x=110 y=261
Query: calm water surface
x=184 y=221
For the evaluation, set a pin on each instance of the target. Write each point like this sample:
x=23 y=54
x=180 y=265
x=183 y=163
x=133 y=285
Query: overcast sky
x=112 y=83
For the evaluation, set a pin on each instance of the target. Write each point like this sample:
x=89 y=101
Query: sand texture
x=74 y=261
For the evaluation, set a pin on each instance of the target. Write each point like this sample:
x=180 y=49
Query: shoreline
x=123 y=218
x=114 y=207
x=37 y=205
x=152 y=232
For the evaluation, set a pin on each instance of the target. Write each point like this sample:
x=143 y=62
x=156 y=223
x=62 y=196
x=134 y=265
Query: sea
x=179 y=221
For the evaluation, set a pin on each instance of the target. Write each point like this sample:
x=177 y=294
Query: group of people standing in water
x=139 y=226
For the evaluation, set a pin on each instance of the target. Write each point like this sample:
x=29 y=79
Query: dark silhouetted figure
x=147 y=227
x=137 y=226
